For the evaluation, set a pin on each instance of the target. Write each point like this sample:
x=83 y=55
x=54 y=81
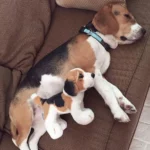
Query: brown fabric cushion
x=129 y=70
x=9 y=80
x=23 y=27
x=7 y=144
x=5 y=79
x=85 y=4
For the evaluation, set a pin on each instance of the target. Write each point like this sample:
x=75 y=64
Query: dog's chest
x=101 y=55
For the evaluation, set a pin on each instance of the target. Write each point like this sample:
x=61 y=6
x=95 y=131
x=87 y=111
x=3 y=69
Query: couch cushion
x=5 y=80
x=23 y=27
x=129 y=70
x=9 y=80
x=85 y=4
x=6 y=143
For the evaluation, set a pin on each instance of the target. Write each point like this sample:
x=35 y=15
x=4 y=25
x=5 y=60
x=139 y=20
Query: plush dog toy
x=43 y=114
x=68 y=101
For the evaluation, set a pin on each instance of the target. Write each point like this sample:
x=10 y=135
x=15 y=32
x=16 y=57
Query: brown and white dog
x=45 y=112
x=115 y=25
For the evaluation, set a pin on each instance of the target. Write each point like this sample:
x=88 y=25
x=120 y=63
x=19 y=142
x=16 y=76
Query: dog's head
x=115 y=19
x=78 y=81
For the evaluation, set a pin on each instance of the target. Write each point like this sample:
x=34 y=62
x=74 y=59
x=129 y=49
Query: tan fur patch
x=20 y=113
x=79 y=47
x=23 y=94
x=21 y=121
x=81 y=54
x=108 y=23
x=45 y=107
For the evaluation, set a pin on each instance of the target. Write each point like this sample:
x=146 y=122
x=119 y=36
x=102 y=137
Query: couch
x=31 y=29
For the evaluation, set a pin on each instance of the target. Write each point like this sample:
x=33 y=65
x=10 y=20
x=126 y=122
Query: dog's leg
x=123 y=101
x=80 y=114
x=106 y=91
x=24 y=145
x=39 y=129
x=53 y=126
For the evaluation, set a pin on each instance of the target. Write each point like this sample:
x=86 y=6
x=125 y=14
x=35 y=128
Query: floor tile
x=137 y=145
x=145 y=117
x=147 y=102
x=148 y=147
x=143 y=132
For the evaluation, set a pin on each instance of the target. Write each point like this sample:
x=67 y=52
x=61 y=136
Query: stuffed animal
x=68 y=101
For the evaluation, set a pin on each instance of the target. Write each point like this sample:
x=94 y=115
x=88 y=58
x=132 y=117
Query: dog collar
x=90 y=30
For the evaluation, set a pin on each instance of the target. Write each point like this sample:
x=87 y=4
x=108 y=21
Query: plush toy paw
x=62 y=123
x=86 y=117
x=55 y=131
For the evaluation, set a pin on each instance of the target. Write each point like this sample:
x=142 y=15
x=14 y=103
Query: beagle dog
x=45 y=112
x=88 y=50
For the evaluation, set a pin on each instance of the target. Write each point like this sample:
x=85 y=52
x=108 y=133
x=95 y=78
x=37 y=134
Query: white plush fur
x=50 y=85
x=55 y=125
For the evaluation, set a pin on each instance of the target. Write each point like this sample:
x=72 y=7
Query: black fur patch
x=56 y=99
x=69 y=88
x=50 y=64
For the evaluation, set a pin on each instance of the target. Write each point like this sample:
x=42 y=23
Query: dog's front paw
x=128 y=107
x=56 y=131
x=121 y=116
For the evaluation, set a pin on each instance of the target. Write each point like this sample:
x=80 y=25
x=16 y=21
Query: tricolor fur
x=116 y=25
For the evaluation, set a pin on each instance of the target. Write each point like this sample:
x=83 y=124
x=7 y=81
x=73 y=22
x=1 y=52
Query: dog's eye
x=116 y=13
x=127 y=16
x=81 y=76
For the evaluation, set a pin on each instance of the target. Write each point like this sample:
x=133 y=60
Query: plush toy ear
x=70 y=88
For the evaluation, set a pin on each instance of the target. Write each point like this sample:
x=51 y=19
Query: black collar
x=90 y=30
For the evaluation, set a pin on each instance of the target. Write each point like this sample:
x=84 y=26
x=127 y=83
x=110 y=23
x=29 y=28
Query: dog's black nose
x=93 y=75
x=143 y=31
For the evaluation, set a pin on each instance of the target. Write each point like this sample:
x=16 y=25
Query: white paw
x=33 y=146
x=121 y=116
x=87 y=117
x=62 y=123
x=55 y=131
x=128 y=107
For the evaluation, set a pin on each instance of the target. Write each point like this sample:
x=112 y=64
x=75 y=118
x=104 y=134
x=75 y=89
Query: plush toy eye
x=81 y=76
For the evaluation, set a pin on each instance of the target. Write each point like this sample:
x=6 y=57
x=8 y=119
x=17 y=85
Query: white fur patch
x=88 y=80
x=50 y=85
x=102 y=56
x=24 y=145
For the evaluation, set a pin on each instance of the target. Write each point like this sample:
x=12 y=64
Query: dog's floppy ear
x=70 y=88
x=105 y=22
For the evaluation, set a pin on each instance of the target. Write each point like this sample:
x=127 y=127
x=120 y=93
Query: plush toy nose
x=93 y=75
